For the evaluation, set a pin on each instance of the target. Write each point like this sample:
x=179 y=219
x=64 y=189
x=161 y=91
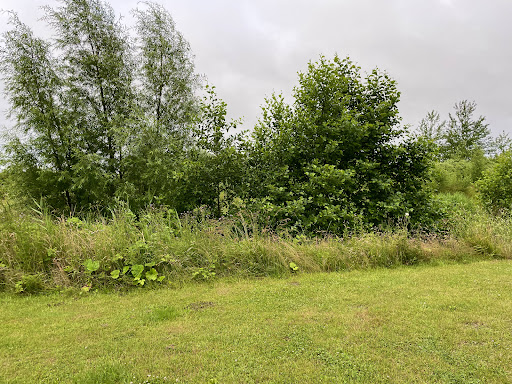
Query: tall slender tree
x=166 y=71
x=35 y=92
x=165 y=88
x=464 y=134
x=98 y=68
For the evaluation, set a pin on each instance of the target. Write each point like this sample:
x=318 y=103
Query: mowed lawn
x=429 y=324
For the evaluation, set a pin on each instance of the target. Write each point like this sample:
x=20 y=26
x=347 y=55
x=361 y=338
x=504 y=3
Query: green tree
x=340 y=153
x=43 y=153
x=463 y=146
x=103 y=116
x=495 y=187
x=464 y=134
x=502 y=143
x=215 y=167
x=97 y=68
x=461 y=137
x=167 y=109
x=431 y=127
x=166 y=71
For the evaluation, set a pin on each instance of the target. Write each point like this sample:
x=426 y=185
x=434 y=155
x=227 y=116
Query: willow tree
x=99 y=109
x=167 y=106
x=42 y=152
x=96 y=65
x=166 y=70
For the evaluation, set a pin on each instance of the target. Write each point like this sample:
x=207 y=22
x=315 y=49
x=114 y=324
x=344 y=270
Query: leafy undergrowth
x=427 y=324
x=39 y=252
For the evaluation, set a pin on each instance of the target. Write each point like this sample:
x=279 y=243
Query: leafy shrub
x=29 y=284
x=338 y=157
x=459 y=175
x=496 y=185
x=453 y=176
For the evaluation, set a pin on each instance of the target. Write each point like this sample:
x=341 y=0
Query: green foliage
x=431 y=127
x=42 y=161
x=495 y=187
x=29 y=284
x=151 y=274
x=159 y=248
x=115 y=274
x=501 y=144
x=117 y=120
x=461 y=137
x=137 y=274
x=166 y=72
x=337 y=156
x=110 y=125
x=204 y=273
x=167 y=108
x=463 y=134
x=214 y=173
x=136 y=270
x=100 y=118
x=91 y=266
x=459 y=175
x=462 y=146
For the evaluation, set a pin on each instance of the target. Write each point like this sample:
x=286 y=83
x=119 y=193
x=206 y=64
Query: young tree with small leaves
x=464 y=134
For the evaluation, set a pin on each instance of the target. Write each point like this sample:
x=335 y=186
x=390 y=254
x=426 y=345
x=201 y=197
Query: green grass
x=41 y=252
x=426 y=324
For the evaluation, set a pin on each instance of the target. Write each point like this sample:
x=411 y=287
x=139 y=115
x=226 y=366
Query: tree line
x=107 y=114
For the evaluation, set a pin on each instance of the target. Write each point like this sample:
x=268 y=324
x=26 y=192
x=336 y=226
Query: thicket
x=39 y=252
x=467 y=159
x=142 y=179
x=105 y=117
x=495 y=186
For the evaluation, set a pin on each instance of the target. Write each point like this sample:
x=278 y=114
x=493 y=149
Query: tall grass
x=39 y=251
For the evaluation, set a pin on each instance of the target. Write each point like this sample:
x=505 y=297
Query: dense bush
x=337 y=156
x=495 y=187
x=459 y=175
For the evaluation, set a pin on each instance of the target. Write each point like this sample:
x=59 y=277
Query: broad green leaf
x=115 y=274
x=137 y=270
x=91 y=266
x=152 y=274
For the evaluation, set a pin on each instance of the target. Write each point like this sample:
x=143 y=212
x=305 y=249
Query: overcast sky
x=439 y=51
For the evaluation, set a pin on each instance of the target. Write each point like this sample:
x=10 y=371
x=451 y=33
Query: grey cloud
x=439 y=51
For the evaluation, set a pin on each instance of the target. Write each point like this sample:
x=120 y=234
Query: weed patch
x=39 y=252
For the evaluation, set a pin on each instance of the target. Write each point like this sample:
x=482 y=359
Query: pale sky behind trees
x=438 y=51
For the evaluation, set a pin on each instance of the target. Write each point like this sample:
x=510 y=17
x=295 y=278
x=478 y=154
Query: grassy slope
x=446 y=324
